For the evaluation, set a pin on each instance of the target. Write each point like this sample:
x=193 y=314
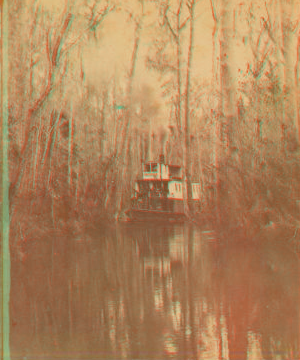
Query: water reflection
x=145 y=292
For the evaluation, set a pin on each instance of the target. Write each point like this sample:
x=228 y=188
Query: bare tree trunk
x=123 y=153
x=53 y=61
x=261 y=57
x=297 y=77
x=116 y=121
x=279 y=95
x=70 y=155
x=77 y=186
x=55 y=52
x=102 y=126
x=215 y=52
x=276 y=34
x=227 y=75
x=216 y=107
x=176 y=35
x=183 y=92
x=186 y=144
x=290 y=58
x=37 y=152
x=59 y=115
x=179 y=106
x=228 y=93
x=46 y=161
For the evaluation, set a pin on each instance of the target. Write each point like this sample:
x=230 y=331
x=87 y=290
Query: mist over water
x=154 y=292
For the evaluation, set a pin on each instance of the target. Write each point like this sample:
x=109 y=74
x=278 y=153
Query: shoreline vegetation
x=75 y=149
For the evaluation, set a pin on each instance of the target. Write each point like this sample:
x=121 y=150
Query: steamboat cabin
x=160 y=192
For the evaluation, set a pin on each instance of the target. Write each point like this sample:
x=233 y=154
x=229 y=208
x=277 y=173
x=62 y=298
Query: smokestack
x=161 y=158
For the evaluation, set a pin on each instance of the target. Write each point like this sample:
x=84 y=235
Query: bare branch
x=268 y=27
x=34 y=62
x=47 y=89
x=171 y=11
x=167 y=22
x=184 y=24
x=91 y=27
x=262 y=64
x=35 y=20
x=190 y=4
x=179 y=8
x=53 y=54
x=269 y=21
x=98 y=19
x=295 y=27
x=213 y=10
x=58 y=44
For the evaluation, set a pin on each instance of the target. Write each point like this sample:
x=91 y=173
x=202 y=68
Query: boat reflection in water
x=145 y=292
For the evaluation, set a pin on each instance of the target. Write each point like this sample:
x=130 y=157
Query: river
x=153 y=292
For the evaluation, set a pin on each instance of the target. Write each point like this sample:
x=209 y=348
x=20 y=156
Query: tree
x=216 y=110
x=187 y=139
x=122 y=151
x=176 y=18
x=56 y=45
x=227 y=76
x=283 y=29
x=290 y=29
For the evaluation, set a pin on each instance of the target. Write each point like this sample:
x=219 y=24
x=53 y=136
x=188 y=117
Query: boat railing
x=150 y=175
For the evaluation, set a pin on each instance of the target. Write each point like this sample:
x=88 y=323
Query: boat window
x=147 y=168
x=174 y=172
x=179 y=187
x=154 y=167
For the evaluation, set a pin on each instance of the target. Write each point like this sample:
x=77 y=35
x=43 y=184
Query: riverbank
x=42 y=218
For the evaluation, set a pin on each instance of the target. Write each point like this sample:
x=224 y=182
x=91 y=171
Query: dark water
x=145 y=292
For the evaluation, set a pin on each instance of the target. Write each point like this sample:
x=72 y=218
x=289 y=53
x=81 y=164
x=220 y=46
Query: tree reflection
x=149 y=292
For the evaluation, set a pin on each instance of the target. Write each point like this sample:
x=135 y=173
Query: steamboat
x=159 y=193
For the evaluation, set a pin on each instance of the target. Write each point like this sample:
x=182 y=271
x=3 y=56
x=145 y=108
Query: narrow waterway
x=154 y=292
